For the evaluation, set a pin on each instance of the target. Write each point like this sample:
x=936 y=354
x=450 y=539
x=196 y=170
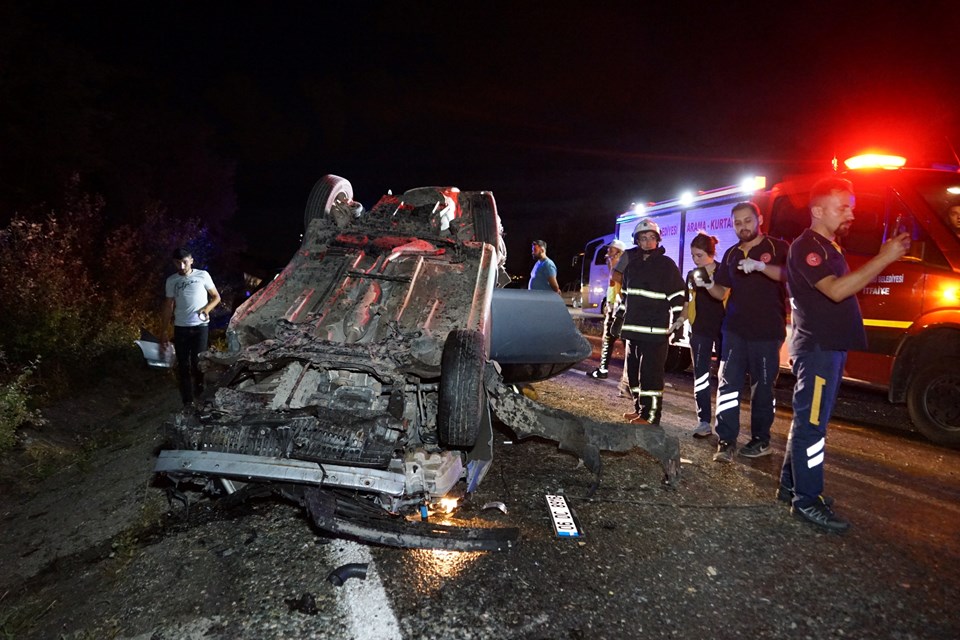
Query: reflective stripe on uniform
x=641 y=329
x=815 y=453
x=656 y=295
x=701 y=383
x=651 y=394
x=728 y=401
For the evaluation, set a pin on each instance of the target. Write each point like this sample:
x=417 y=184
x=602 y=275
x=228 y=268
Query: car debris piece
x=306 y=603
x=495 y=505
x=344 y=572
x=360 y=381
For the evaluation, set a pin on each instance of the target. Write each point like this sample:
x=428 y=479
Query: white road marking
x=364 y=603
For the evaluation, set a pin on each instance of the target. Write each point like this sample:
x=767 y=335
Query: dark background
x=568 y=112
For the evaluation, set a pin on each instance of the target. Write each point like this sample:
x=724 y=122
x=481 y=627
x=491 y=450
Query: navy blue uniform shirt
x=757 y=306
x=818 y=321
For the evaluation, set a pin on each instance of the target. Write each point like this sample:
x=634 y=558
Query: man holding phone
x=826 y=324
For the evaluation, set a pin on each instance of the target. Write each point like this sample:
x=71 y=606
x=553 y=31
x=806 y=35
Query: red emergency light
x=875 y=161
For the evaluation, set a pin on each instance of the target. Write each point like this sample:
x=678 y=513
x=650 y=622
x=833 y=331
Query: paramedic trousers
x=189 y=343
x=759 y=358
x=645 y=362
x=818 y=381
x=701 y=352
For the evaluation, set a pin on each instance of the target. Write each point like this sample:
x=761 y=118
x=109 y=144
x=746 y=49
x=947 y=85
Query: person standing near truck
x=706 y=318
x=826 y=324
x=543 y=276
x=754 y=328
x=614 y=250
x=190 y=297
x=653 y=290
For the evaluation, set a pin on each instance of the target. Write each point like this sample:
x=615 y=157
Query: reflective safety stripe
x=815 y=460
x=641 y=329
x=651 y=394
x=656 y=295
x=815 y=448
x=682 y=292
x=728 y=401
x=702 y=382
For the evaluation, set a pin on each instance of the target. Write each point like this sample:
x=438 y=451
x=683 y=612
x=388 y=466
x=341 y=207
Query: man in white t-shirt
x=190 y=297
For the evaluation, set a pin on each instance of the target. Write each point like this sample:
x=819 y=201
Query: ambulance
x=911 y=310
x=679 y=219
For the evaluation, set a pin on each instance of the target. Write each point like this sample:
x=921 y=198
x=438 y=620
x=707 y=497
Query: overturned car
x=361 y=381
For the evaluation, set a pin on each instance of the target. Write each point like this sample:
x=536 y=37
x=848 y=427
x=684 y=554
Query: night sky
x=567 y=111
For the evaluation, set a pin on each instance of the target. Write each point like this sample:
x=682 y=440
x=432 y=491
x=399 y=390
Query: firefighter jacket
x=654 y=292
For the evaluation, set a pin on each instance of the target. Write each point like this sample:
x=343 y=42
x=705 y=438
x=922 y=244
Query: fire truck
x=911 y=310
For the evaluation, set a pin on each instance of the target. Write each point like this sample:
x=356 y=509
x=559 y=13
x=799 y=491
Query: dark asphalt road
x=716 y=557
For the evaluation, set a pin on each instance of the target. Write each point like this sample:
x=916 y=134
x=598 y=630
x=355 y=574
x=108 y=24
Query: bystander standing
x=190 y=297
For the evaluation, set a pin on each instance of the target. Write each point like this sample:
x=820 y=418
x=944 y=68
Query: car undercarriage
x=360 y=381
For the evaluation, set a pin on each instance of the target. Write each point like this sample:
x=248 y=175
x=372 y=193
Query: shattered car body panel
x=361 y=376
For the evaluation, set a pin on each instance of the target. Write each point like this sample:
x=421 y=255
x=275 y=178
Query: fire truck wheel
x=933 y=400
x=460 y=405
x=323 y=196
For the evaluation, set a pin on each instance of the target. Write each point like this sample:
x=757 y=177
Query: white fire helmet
x=646 y=225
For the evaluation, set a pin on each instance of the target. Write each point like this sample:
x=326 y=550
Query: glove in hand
x=748 y=265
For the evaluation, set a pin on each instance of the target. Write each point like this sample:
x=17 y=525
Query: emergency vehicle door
x=892 y=302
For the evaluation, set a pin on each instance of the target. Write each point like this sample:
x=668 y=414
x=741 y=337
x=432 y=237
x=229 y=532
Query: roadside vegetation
x=78 y=287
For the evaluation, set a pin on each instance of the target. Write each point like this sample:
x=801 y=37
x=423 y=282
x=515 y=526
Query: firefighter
x=653 y=291
x=826 y=324
x=614 y=250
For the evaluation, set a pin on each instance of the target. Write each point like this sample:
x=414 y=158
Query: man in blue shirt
x=543 y=277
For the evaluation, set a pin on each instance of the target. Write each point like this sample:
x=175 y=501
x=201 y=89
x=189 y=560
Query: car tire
x=481 y=209
x=933 y=401
x=460 y=404
x=323 y=195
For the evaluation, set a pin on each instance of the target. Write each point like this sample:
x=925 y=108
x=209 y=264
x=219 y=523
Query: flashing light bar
x=875 y=161
x=749 y=186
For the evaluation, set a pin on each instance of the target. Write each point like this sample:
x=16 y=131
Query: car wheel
x=933 y=400
x=460 y=408
x=482 y=211
x=324 y=195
